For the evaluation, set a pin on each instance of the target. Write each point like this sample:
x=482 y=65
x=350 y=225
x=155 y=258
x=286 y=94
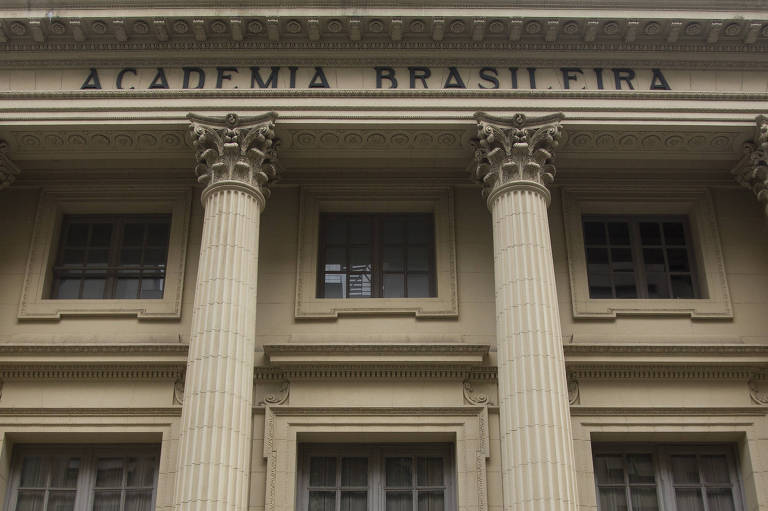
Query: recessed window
x=677 y=478
x=111 y=257
x=80 y=478
x=391 y=478
x=639 y=257
x=376 y=256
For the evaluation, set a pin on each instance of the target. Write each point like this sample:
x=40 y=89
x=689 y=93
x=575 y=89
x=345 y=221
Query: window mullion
x=377 y=275
x=636 y=244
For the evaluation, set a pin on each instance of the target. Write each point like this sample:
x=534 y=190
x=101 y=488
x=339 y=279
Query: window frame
x=376 y=468
x=86 y=479
x=54 y=203
x=662 y=453
x=694 y=204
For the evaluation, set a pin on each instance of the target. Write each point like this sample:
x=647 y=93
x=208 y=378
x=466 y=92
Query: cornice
x=609 y=411
x=665 y=371
x=377 y=410
x=93 y=349
x=93 y=372
x=91 y=412
x=716 y=350
x=283 y=355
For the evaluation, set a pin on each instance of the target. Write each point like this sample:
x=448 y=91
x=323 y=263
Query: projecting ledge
x=288 y=354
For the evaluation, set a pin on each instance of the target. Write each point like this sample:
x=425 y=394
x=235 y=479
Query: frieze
x=384 y=140
x=65 y=141
x=648 y=371
x=94 y=372
x=658 y=141
x=375 y=372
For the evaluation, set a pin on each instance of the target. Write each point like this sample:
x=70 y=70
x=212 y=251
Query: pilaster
x=8 y=169
x=752 y=170
x=236 y=158
x=514 y=161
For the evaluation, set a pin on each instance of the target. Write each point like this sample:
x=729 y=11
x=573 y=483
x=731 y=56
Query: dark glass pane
x=419 y=230
x=597 y=260
x=30 y=500
x=360 y=259
x=98 y=257
x=158 y=234
x=360 y=285
x=64 y=472
x=392 y=231
x=685 y=470
x=431 y=501
x=678 y=259
x=93 y=288
x=394 y=285
x=392 y=258
x=657 y=285
x=689 y=499
x=322 y=501
x=621 y=259
x=68 y=289
x=618 y=233
x=109 y=472
x=418 y=259
x=399 y=473
x=335 y=259
x=360 y=230
x=600 y=285
x=335 y=286
x=354 y=501
x=77 y=235
x=127 y=285
x=418 y=286
x=140 y=472
x=336 y=231
x=609 y=469
x=322 y=471
x=130 y=256
x=714 y=469
x=429 y=471
x=640 y=468
x=61 y=501
x=614 y=499
x=594 y=233
x=32 y=472
x=682 y=286
x=152 y=288
x=399 y=501
x=133 y=235
x=73 y=257
x=106 y=500
x=138 y=500
x=720 y=499
x=674 y=234
x=101 y=235
x=654 y=259
x=354 y=472
x=650 y=233
x=644 y=499
x=154 y=256
x=625 y=285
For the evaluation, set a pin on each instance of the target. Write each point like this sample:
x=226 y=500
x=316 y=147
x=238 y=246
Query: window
x=386 y=477
x=114 y=257
x=376 y=256
x=639 y=257
x=669 y=478
x=79 y=478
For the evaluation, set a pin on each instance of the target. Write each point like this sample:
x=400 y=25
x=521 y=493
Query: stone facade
x=246 y=131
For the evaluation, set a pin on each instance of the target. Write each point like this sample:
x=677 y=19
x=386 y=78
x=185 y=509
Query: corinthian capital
x=752 y=170
x=8 y=169
x=236 y=152
x=515 y=149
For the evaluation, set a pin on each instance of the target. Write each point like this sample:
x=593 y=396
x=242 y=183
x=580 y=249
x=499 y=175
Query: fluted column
x=514 y=161
x=236 y=158
x=752 y=170
x=8 y=169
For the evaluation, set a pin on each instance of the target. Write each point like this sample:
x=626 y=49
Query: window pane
x=394 y=285
x=322 y=471
x=597 y=260
x=322 y=501
x=714 y=469
x=360 y=259
x=335 y=286
x=154 y=257
x=431 y=501
x=98 y=257
x=618 y=233
x=158 y=234
x=418 y=286
x=650 y=233
x=138 y=500
x=689 y=499
x=127 y=288
x=418 y=259
x=399 y=473
x=594 y=233
x=73 y=257
x=600 y=286
x=621 y=259
x=657 y=285
x=152 y=288
x=392 y=231
x=360 y=230
x=625 y=285
x=613 y=499
x=678 y=259
x=101 y=235
x=93 y=288
x=109 y=472
x=133 y=235
x=682 y=286
x=644 y=499
x=140 y=472
x=64 y=472
x=77 y=235
x=392 y=259
x=32 y=472
x=30 y=500
x=61 y=501
x=609 y=469
x=429 y=471
x=354 y=472
x=654 y=259
x=335 y=259
x=640 y=468
x=129 y=256
x=68 y=289
x=336 y=231
x=360 y=285
x=674 y=234
x=399 y=501
x=720 y=499
x=685 y=469
x=419 y=230
x=354 y=501
x=106 y=501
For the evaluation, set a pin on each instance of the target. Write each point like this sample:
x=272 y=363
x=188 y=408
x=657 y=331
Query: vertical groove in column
x=537 y=457
x=214 y=444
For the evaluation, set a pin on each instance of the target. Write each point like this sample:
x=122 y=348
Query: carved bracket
x=8 y=169
x=178 y=390
x=758 y=396
x=752 y=171
x=473 y=397
x=573 y=392
x=280 y=397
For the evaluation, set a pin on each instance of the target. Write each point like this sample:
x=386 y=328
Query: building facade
x=340 y=256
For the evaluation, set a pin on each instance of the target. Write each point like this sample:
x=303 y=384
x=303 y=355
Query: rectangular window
x=376 y=256
x=111 y=257
x=639 y=257
x=80 y=478
x=376 y=478
x=672 y=478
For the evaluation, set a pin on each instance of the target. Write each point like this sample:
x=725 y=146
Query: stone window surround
x=435 y=199
x=54 y=203
x=696 y=204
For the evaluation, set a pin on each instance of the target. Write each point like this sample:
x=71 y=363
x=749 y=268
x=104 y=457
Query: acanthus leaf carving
x=8 y=169
x=474 y=397
x=515 y=149
x=178 y=390
x=573 y=392
x=758 y=396
x=752 y=170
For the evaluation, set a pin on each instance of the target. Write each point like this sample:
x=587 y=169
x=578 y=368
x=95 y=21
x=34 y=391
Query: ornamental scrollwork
x=512 y=149
x=474 y=397
x=8 y=169
x=178 y=391
x=279 y=397
x=573 y=392
x=235 y=150
x=758 y=396
x=752 y=170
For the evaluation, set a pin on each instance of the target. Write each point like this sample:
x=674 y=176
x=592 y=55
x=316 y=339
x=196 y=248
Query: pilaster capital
x=235 y=152
x=515 y=150
x=8 y=169
x=752 y=171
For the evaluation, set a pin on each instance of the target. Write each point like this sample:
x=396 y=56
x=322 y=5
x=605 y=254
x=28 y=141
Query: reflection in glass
x=399 y=473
